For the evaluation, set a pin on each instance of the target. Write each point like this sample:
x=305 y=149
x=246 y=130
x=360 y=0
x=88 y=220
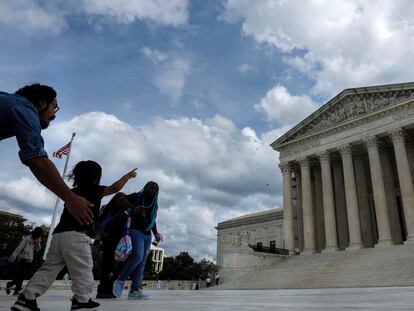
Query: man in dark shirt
x=23 y=115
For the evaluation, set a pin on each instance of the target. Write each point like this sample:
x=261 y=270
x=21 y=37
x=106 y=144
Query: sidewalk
x=344 y=299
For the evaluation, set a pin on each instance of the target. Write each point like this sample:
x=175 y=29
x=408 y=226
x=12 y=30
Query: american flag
x=62 y=151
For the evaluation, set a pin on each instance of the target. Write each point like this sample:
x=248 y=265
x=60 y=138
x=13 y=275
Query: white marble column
x=307 y=207
x=405 y=179
x=287 y=207
x=351 y=198
x=328 y=203
x=378 y=189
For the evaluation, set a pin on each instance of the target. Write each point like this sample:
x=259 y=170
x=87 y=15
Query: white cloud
x=28 y=191
x=245 y=68
x=29 y=17
x=172 y=78
x=283 y=108
x=51 y=17
x=154 y=54
x=171 y=72
x=338 y=44
x=171 y=12
x=205 y=169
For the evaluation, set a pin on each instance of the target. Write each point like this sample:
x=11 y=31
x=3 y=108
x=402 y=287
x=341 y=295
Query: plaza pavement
x=384 y=298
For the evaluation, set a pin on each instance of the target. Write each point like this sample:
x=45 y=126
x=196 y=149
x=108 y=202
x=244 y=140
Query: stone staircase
x=369 y=267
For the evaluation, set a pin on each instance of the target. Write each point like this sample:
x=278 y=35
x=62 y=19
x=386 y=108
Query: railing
x=269 y=249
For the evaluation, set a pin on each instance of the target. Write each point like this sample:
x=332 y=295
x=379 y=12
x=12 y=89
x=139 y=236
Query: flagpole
x=52 y=225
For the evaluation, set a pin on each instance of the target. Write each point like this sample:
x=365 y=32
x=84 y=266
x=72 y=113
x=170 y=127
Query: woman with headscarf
x=143 y=223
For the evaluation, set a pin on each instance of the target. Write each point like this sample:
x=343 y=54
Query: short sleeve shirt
x=93 y=194
x=18 y=117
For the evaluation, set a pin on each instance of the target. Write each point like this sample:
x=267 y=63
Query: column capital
x=371 y=142
x=324 y=157
x=296 y=170
x=285 y=167
x=304 y=162
x=345 y=150
x=397 y=135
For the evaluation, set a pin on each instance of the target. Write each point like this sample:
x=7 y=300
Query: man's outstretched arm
x=45 y=171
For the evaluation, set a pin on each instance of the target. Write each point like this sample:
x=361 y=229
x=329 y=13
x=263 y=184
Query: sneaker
x=81 y=306
x=137 y=294
x=23 y=304
x=8 y=288
x=118 y=287
x=16 y=292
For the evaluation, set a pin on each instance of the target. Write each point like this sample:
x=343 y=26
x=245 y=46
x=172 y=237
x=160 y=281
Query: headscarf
x=153 y=204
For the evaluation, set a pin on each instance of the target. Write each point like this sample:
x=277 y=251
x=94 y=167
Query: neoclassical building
x=235 y=235
x=352 y=163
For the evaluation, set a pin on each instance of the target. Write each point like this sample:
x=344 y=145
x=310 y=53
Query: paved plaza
x=385 y=298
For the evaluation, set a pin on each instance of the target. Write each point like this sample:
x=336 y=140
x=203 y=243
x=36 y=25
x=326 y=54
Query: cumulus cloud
x=52 y=17
x=283 y=108
x=208 y=170
x=171 y=78
x=154 y=54
x=172 y=12
x=338 y=44
x=245 y=68
x=171 y=72
x=29 y=17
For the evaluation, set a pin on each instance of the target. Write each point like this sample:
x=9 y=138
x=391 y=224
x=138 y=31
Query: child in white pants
x=70 y=245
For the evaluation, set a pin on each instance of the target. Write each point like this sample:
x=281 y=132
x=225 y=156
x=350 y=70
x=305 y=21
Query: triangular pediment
x=348 y=105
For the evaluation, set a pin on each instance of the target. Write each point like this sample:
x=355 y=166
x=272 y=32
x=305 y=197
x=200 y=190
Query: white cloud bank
x=338 y=44
x=51 y=17
x=283 y=108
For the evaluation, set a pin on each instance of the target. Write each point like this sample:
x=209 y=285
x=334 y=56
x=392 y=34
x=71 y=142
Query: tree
x=207 y=268
x=183 y=267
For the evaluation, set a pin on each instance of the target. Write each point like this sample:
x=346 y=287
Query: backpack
x=124 y=247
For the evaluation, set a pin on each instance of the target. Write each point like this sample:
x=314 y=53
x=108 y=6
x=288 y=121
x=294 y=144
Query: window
x=272 y=244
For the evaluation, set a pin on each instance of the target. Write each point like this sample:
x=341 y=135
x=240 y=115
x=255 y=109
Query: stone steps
x=379 y=266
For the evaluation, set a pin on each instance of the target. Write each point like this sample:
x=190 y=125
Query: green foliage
x=183 y=267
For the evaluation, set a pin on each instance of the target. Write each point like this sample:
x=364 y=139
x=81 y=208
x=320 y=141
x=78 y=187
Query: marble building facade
x=235 y=235
x=347 y=172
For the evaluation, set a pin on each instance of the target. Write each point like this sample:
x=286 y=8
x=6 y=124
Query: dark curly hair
x=85 y=173
x=36 y=93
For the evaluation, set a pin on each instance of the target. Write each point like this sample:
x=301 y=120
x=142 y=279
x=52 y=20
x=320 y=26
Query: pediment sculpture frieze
x=352 y=107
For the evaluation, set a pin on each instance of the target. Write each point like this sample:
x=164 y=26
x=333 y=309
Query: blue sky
x=190 y=92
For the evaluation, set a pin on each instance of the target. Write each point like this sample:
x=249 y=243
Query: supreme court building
x=352 y=163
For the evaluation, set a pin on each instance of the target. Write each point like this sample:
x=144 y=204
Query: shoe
x=137 y=294
x=16 y=293
x=23 y=304
x=8 y=288
x=81 y=306
x=101 y=295
x=117 y=289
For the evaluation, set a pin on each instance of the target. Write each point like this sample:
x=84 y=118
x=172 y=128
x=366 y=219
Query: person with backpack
x=143 y=223
x=22 y=257
x=70 y=244
x=111 y=226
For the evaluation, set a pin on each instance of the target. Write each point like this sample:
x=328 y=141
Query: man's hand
x=80 y=209
x=46 y=172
